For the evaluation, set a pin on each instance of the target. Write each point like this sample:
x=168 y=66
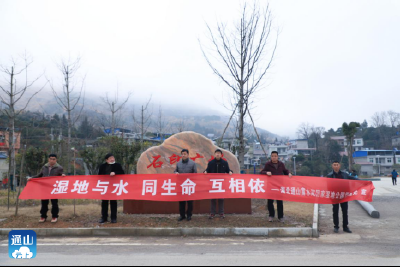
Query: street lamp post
x=394 y=156
x=379 y=165
x=295 y=172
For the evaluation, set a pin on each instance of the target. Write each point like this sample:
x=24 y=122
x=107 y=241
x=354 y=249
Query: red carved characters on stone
x=198 y=156
x=174 y=159
x=156 y=164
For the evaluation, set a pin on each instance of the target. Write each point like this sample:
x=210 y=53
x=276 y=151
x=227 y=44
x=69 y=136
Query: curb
x=311 y=232
x=171 y=232
x=369 y=209
x=315 y=228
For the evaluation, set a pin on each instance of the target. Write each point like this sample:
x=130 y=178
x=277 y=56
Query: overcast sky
x=336 y=61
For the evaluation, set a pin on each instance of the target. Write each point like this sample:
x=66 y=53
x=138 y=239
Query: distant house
x=3 y=165
x=255 y=155
x=4 y=141
x=299 y=146
x=376 y=162
x=396 y=142
x=134 y=137
x=117 y=131
x=4 y=149
x=282 y=149
x=358 y=144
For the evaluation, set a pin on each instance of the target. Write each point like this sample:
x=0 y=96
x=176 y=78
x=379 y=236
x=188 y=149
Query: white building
x=255 y=155
x=282 y=149
x=376 y=162
x=358 y=144
x=300 y=146
x=3 y=165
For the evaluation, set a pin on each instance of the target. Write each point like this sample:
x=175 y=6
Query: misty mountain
x=174 y=118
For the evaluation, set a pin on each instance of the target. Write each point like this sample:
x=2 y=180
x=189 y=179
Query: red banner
x=184 y=187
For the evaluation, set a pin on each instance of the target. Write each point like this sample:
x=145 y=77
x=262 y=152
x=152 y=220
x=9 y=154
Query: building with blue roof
x=376 y=162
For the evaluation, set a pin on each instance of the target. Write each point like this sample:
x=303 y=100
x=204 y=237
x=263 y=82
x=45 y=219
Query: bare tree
x=161 y=124
x=143 y=121
x=317 y=134
x=379 y=119
x=181 y=125
x=241 y=58
x=114 y=106
x=70 y=96
x=16 y=99
x=394 y=118
x=304 y=131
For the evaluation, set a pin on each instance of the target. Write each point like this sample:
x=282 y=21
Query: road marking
x=126 y=244
x=199 y=244
x=95 y=245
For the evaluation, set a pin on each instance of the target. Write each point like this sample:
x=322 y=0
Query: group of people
x=186 y=166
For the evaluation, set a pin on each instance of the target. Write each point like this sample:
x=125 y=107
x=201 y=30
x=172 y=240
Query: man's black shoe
x=113 y=221
x=347 y=230
x=181 y=219
x=102 y=221
x=336 y=230
x=189 y=218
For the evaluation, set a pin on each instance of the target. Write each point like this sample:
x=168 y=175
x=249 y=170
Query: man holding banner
x=275 y=167
x=51 y=169
x=110 y=168
x=186 y=165
x=218 y=165
x=338 y=174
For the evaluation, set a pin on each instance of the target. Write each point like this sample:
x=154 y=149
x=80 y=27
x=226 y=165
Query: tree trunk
x=21 y=183
x=11 y=158
x=113 y=119
x=11 y=153
x=142 y=129
x=351 y=154
x=69 y=142
x=241 y=129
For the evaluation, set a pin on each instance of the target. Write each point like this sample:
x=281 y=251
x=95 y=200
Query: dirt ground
x=88 y=214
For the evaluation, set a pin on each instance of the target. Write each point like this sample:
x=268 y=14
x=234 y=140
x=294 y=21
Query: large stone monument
x=163 y=160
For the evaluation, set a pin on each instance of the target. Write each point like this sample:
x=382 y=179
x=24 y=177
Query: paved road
x=385 y=188
x=374 y=242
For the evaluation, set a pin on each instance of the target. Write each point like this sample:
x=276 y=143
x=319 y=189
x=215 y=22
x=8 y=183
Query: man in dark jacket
x=338 y=174
x=186 y=165
x=218 y=165
x=51 y=169
x=394 y=177
x=275 y=167
x=110 y=168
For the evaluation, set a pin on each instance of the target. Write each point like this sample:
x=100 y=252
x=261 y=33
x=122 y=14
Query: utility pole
x=379 y=165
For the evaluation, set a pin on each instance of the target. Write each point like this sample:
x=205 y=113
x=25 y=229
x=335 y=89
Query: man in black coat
x=338 y=174
x=218 y=165
x=110 y=168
